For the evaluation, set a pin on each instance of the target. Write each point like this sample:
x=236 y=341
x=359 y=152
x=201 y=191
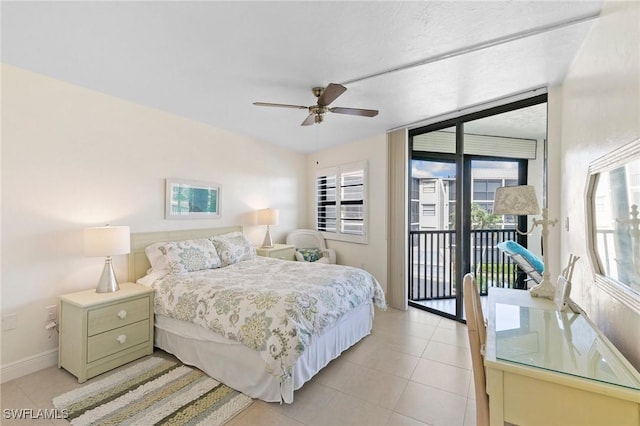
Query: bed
x=260 y=325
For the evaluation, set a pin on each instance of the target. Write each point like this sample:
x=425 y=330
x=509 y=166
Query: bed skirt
x=243 y=369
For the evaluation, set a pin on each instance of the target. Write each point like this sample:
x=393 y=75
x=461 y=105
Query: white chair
x=477 y=330
x=310 y=239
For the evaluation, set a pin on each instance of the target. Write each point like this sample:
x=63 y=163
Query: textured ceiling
x=209 y=61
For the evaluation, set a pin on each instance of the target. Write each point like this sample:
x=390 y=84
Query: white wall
x=372 y=256
x=600 y=101
x=73 y=158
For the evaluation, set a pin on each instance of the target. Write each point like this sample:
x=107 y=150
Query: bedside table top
x=277 y=247
x=90 y=297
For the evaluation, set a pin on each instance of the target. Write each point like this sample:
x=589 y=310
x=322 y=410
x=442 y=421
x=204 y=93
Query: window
x=428 y=210
x=341 y=212
x=429 y=186
x=485 y=189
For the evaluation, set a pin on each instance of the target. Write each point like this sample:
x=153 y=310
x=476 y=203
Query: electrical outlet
x=52 y=312
x=9 y=322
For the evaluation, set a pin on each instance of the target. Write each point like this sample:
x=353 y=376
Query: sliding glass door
x=456 y=167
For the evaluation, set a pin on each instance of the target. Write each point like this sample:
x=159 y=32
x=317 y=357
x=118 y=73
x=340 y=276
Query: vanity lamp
x=522 y=200
x=268 y=217
x=107 y=241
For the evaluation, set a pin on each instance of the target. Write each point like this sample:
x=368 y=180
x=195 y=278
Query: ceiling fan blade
x=279 y=105
x=355 y=111
x=331 y=93
x=311 y=119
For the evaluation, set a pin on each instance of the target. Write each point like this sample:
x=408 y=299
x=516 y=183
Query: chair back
x=306 y=238
x=477 y=331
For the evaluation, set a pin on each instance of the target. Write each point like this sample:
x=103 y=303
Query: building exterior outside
x=433 y=199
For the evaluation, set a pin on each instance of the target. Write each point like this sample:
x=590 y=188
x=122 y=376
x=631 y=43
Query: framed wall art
x=191 y=199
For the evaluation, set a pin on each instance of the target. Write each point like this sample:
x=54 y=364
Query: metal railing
x=432 y=260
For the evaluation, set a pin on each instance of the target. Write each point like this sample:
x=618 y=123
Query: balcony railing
x=432 y=272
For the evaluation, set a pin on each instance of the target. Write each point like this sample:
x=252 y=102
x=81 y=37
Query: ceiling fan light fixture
x=324 y=97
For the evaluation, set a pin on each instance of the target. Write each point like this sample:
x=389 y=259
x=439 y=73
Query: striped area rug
x=155 y=391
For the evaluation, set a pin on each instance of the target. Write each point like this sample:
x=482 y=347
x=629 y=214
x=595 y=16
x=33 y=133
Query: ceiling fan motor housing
x=324 y=97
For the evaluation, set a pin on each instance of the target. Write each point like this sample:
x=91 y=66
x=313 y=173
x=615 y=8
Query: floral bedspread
x=270 y=305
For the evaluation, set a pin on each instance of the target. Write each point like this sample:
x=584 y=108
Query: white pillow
x=152 y=277
x=190 y=255
x=233 y=248
x=157 y=259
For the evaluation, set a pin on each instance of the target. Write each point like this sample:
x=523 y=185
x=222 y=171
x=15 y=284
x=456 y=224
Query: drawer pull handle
x=122 y=314
x=122 y=338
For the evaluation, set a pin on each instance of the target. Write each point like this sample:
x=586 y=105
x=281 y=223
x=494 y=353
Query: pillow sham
x=310 y=254
x=190 y=255
x=233 y=248
x=156 y=257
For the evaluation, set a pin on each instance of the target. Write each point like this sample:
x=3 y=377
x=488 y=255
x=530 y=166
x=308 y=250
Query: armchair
x=305 y=239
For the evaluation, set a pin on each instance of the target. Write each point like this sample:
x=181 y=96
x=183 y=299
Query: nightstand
x=278 y=251
x=102 y=331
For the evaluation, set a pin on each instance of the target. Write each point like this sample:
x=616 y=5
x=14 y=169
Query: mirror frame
x=624 y=293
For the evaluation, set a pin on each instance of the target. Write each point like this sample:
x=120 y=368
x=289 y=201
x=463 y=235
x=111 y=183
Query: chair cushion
x=310 y=254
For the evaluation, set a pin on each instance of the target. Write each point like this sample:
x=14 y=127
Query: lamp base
x=544 y=289
x=108 y=282
x=268 y=242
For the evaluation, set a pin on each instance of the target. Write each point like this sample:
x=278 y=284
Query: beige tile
x=44 y=385
x=401 y=343
x=11 y=396
x=373 y=386
x=349 y=410
x=470 y=413
x=335 y=375
x=431 y=406
x=378 y=357
x=409 y=371
x=472 y=388
x=412 y=314
x=451 y=324
x=401 y=326
x=442 y=376
x=452 y=336
x=448 y=354
x=260 y=413
x=424 y=317
x=307 y=400
x=397 y=419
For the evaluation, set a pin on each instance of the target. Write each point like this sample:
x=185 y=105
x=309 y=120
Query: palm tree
x=480 y=218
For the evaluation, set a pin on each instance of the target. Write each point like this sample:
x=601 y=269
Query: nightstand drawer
x=113 y=341
x=284 y=254
x=278 y=251
x=117 y=315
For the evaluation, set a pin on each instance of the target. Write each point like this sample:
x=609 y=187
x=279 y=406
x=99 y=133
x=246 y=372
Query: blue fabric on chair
x=510 y=247
x=310 y=254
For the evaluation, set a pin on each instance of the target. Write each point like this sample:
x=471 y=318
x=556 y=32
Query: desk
x=544 y=367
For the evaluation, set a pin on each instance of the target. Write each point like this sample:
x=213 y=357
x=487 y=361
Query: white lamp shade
x=268 y=216
x=106 y=240
x=516 y=200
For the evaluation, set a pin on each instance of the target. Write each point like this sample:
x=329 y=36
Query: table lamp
x=522 y=200
x=107 y=241
x=268 y=217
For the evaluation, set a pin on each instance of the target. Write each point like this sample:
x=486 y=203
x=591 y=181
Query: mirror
x=613 y=203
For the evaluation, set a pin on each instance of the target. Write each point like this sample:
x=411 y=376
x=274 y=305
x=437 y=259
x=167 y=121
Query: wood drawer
x=117 y=315
x=284 y=254
x=110 y=342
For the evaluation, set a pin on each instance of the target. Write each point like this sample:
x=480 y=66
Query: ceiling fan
x=325 y=97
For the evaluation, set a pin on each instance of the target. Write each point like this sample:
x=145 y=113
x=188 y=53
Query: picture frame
x=192 y=199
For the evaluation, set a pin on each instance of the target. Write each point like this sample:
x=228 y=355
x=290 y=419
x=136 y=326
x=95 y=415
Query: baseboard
x=28 y=365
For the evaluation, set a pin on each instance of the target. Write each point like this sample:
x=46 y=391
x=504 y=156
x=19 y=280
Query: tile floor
x=414 y=369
